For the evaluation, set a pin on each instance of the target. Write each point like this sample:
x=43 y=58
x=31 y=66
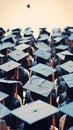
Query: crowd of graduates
x=20 y=53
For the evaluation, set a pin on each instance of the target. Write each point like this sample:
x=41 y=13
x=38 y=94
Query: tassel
x=51 y=99
x=53 y=79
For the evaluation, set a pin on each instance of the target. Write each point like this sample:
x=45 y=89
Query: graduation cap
x=3 y=95
x=70 y=37
x=9 y=38
x=39 y=85
x=42 y=54
x=56 y=30
x=4 y=111
x=69 y=81
x=62 y=47
x=23 y=41
x=17 y=55
x=43 y=69
x=22 y=47
x=10 y=65
x=67 y=66
x=56 y=34
x=44 y=31
x=59 y=39
x=43 y=37
x=34 y=112
x=28 y=32
x=16 y=31
x=65 y=55
x=67 y=109
x=43 y=46
x=6 y=45
x=2 y=31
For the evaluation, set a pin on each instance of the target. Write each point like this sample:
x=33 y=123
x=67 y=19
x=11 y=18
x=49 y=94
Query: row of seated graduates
x=35 y=62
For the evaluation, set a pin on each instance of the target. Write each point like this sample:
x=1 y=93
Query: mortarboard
x=17 y=55
x=42 y=46
x=64 y=55
x=9 y=38
x=70 y=37
x=70 y=30
x=16 y=31
x=39 y=85
x=42 y=54
x=68 y=79
x=59 y=38
x=4 y=111
x=10 y=65
x=6 y=45
x=68 y=66
x=34 y=111
x=62 y=47
x=28 y=31
x=43 y=69
x=9 y=81
x=22 y=47
x=23 y=41
x=43 y=37
x=2 y=30
x=67 y=109
x=56 y=30
x=3 y=95
x=44 y=31
x=56 y=34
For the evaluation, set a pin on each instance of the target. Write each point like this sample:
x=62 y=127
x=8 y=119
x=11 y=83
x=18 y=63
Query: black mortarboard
x=4 y=111
x=16 y=31
x=2 y=31
x=34 y=112
x=44 y=31
x=42 y=54
x=39 y=85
